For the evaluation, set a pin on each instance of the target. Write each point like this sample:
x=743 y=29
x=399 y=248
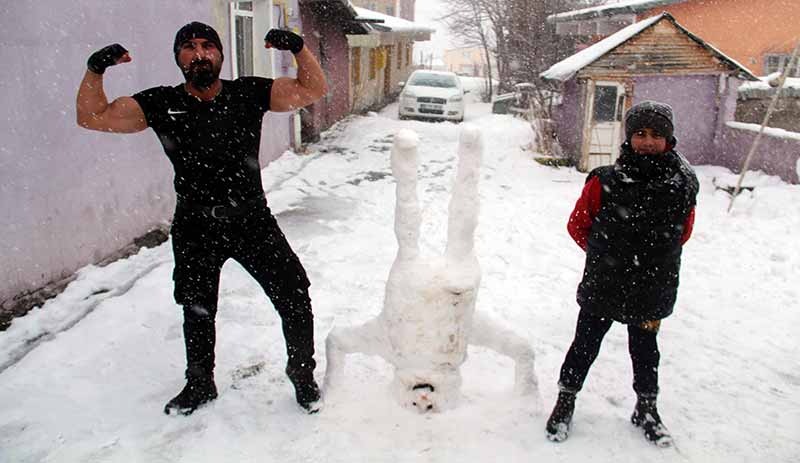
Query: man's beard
x=201 y=74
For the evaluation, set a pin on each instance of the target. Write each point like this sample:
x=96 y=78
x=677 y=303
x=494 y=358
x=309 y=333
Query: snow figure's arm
x=407 y=212
x=485 y=332
x=464 y=206
x=369 y=338
x=586 y=208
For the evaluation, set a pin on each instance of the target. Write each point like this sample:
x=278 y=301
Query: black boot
x=305 y=389
x=199 y=389
x=645 y=416
x=199 y=336
x=298 y=330
x=559 y=422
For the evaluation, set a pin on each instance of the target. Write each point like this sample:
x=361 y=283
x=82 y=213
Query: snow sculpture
x=429 y=317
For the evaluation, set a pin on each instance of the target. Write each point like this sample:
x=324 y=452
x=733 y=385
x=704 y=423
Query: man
x=210 y=130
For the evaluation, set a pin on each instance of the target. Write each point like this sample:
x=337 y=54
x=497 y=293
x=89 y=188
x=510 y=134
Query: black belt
x=221 y=211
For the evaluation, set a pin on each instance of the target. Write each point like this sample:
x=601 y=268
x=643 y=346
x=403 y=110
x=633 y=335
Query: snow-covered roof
x=391 y=23
x=567 y=68
x=610 y=9
x=762 y=88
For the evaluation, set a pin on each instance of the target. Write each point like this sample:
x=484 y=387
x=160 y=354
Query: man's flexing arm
x=94 y=112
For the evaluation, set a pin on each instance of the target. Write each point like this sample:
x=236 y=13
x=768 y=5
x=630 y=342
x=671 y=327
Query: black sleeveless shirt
x=633 y=254
x=213 y=145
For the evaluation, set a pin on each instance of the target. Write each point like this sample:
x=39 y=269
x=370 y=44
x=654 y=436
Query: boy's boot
x=645 y=416
x=199 y=335
x=559 y=422
x=305 y=389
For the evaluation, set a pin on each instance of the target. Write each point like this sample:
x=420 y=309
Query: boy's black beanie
x=195 y=30
x=651 y=115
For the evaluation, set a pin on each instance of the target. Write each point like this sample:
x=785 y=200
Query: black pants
x=201 y=245
x=589 y=334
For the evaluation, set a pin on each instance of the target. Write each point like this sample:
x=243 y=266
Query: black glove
x=105 y=57
x=284 y=40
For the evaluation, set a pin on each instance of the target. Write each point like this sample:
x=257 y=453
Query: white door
x=608 y=106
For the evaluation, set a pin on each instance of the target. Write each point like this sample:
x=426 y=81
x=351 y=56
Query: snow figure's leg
x=369 y=338
x=485 y=332
x=407 y=216
x=464 y=202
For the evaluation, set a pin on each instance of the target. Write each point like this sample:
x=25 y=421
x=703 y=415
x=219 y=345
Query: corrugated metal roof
x=611 y=9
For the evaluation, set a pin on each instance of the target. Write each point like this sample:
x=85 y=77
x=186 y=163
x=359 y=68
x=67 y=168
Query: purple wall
x=334 y=55
x=694 y=101
x=568 y=117
x=774 y=155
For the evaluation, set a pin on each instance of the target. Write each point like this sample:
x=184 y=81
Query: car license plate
x=430 y=106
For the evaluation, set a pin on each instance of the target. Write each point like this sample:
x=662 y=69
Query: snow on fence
x=778 y=152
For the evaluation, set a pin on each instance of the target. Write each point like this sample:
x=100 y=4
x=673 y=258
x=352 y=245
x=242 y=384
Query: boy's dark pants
x=201 y=245
x=589 y=334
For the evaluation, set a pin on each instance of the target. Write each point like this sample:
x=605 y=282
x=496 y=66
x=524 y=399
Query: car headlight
x=456 y=99
x=409 y=95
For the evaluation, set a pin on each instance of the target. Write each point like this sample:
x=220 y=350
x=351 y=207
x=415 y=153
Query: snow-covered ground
x=103 y=357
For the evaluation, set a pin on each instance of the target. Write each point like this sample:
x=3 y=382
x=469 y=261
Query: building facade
x=467 y=61
x=759 y=34
x=382 y=59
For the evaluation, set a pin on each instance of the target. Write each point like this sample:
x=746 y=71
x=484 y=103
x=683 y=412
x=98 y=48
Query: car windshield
x=433 y=80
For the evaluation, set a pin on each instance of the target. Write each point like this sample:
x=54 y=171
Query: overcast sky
x=426 y=13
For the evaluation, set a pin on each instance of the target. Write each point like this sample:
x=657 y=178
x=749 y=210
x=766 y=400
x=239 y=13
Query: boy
x=632 y=219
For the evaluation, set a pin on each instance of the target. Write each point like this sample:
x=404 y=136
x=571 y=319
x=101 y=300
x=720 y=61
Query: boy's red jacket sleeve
x=587 y=208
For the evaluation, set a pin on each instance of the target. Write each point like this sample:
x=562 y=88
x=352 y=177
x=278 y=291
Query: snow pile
x=428 y=316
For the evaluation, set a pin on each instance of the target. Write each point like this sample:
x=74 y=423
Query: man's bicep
x=123 y=115
x=286 y=95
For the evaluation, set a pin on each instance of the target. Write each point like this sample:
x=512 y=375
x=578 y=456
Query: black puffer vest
x=634 y=247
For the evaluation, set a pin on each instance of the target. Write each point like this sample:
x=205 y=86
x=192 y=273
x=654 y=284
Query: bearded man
x=210 y=130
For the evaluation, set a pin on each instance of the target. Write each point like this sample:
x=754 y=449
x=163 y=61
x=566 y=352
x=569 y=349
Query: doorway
x=605 y=132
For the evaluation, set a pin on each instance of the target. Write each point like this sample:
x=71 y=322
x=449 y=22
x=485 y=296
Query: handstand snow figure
x=429 y=318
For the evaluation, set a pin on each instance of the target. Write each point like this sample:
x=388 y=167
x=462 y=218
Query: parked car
x=434 y=95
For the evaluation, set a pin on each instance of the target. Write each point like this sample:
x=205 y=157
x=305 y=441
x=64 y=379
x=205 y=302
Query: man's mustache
x=200 y=63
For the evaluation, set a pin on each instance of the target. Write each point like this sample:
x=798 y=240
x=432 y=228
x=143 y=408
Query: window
x=426 y=79
x=356 y=66
x=777 y=63
x=605 y=103
x=242 y=38
x=373 y=63
x=399 y=56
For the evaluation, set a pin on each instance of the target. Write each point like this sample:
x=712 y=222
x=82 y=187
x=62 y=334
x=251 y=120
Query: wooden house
x=759 y=34
x=654 y=59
